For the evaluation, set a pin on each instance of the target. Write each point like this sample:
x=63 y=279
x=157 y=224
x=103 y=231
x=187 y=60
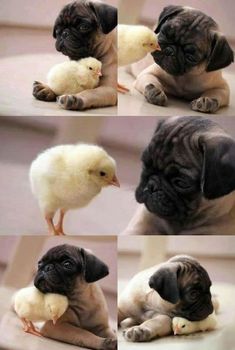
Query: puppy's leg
x=158 y=326
x=128 y=322
x=148 y=84
x=43 y=92
x=142 y=223
x=211 y=100
x=102 y=96
x=70 y=334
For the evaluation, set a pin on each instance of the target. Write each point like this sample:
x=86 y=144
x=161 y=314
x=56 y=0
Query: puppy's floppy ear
x=221 y=53
x=107 y=16
x=167 y=12
x=218 y=173
x=94 y=268
x=164 y=281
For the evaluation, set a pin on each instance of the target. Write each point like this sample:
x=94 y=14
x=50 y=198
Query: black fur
x=78 y=25
x=60 y=267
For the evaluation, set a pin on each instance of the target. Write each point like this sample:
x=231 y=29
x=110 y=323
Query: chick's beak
x=114 y=181
x=54 y=320
x=99 y=73
x=176 y=330
x=156 y=47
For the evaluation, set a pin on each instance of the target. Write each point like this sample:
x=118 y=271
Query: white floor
x=133 y=103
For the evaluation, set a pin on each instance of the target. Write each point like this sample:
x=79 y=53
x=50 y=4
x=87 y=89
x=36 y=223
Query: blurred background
x=18 y=263
x=147 y=12
x=27 y=52
x=216 y=254
x=22 y=138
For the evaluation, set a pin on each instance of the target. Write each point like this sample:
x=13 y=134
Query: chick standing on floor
x=68 y=177
x=33 y=306
x=72 y=77
x=134 y=43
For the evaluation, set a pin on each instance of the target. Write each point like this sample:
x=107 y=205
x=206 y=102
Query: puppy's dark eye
x=169 y=51
x=182 y=184
x=84 y=27
x=102 y=173
x=194 y=294
x=67 y=264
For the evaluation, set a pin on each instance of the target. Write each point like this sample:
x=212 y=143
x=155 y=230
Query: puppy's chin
x=198 y=314
x=74 y=53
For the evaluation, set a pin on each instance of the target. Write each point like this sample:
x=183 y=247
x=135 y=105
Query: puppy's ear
x=164 y=281
x=218 y=174
x=221 y=53
x=167 y=12
x=94 y=268
x=107 y=16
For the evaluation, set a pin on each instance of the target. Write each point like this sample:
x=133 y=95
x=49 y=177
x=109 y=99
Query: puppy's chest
x=186 y=87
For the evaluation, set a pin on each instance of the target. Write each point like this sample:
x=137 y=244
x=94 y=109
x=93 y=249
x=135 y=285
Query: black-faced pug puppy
x=73 y=271
x=86 y=28
x=188 y=180
x=178 y=287
x=193 y=52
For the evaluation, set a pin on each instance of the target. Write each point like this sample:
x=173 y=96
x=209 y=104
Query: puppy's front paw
x=109 y=344
x=43 y=92
x=70 y=102
x=155 y=95
x=205 y=105
x=137 y=334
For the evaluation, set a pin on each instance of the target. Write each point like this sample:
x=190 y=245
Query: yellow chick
x=68 y=177
x=134 y=43
x=181 y=325
x=33 y=306
x=72 y=77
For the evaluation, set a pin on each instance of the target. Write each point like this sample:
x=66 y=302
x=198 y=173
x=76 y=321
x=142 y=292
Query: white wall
x=38 y=13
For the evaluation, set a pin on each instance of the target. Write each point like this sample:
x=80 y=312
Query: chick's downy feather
x=72 y=77
x=68 y=176
x=134 y=43
x=29 y=303
x=181 y=325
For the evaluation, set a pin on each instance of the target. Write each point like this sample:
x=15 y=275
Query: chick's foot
x=121 y=88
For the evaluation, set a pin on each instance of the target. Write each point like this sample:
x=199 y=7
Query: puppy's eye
x=84 y=27
x=194 y=294
x=182 y=184
x=67 y=264
x=102 y=173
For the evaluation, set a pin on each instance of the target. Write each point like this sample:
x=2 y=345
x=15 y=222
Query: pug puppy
x=73 y=271
x=193 y=52
x=86 y=28
x=178 y=287
x=188 y=180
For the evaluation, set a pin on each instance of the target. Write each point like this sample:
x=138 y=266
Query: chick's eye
x=183 y=326
x=90 y=68
x=102 y=173
x=67 y=264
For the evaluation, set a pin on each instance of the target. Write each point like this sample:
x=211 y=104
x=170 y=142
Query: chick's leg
x=121 y=88
x=59 y=227
x=51 y=227
x=29 y=327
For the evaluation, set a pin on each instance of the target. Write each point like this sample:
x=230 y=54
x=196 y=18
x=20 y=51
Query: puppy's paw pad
x=155 y=95
x=109 y=344
x=71 y=102
x=205 y=105
x=137 y=334
x=43 y=92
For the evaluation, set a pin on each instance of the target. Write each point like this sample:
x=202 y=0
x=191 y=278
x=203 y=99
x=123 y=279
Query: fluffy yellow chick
x=68 y=177
x=181 y=325
x=33 y=306
x=72 y=77
x=134 y=43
